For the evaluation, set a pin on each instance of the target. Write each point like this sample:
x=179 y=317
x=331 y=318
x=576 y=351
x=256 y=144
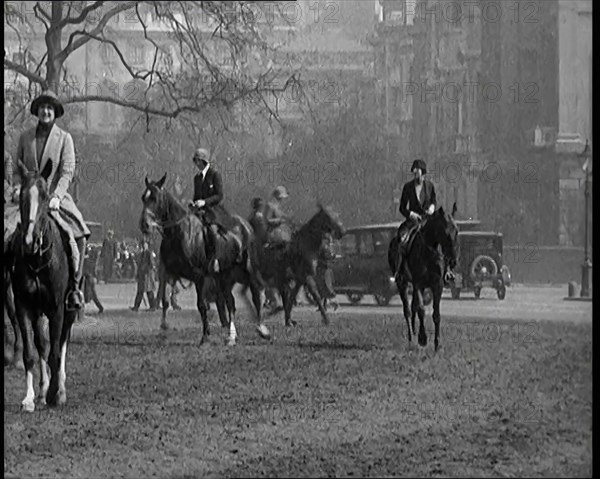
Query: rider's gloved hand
x=414 y=216
x=54 y=203
x=431 y=209
x=199 y=203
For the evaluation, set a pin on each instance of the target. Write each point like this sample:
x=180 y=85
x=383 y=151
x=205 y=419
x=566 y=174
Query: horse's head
x=33 y=206
x=154 y=200
x=330 y=222
x=445 y=233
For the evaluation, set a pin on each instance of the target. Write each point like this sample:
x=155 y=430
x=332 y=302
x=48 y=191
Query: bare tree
x=223 y=50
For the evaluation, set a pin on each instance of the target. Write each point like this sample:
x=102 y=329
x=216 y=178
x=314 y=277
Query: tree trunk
x=54 y=48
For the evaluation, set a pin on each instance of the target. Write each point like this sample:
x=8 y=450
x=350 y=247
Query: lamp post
x=586 y=267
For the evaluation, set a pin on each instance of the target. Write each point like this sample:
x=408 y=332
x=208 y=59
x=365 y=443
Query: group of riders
x=272 y=226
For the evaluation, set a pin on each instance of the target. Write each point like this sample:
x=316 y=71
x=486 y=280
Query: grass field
x=500 y=398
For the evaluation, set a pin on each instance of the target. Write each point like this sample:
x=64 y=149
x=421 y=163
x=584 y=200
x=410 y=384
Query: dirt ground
x=500 y=398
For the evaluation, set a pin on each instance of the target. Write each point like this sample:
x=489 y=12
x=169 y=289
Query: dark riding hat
x=201 y=154
x=51 y=98
x=419 y=163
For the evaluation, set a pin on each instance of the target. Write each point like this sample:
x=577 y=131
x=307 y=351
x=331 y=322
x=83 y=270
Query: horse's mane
x=173 y=205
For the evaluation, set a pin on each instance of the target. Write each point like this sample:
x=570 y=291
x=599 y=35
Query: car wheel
x=355 y=298
x=382 y=299
x=501 y=291
x=484 y=266
x=477 y=291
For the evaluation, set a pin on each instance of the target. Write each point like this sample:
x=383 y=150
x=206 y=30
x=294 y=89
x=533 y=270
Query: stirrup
x=71 y=303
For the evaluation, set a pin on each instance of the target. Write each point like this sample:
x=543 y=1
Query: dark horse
x=291 y=266
x=425 y=267
x=40 y=278
x=183 y=256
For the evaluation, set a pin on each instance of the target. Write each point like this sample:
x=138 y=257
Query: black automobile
x=361 y=266
x=480 y=263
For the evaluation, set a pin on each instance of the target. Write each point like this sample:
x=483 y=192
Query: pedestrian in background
x=90 y=278
x=108 y=255
x=146 y=281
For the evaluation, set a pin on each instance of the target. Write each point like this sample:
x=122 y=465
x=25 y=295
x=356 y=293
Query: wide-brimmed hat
x=51 y=98
x=201 y=154
x=419 y=163
x=280 y=192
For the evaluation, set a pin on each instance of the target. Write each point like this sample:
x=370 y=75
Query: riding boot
x=213 y=263
x=75 y=298
x=401 y=258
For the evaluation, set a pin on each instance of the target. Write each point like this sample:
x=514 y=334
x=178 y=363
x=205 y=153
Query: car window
x=348 y=244
x=381 y=241
x=366 y=244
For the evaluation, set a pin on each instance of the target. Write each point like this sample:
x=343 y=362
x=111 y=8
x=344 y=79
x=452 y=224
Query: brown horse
x=40 y=278
x=183 y=256
x=425 y=267
x=289 y=267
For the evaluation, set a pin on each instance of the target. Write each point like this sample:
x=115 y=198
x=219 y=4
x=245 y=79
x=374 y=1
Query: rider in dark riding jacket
x=417 y=201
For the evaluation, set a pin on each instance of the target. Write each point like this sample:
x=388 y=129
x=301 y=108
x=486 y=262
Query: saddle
x=407 y=239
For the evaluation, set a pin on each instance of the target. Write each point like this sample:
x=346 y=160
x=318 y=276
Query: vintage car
x=480 y=262
x=361 y=265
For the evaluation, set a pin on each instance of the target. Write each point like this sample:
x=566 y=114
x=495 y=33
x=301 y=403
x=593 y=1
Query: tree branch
x=81 y=17
x=20 y=69
x=73 y=45
x=38 y=8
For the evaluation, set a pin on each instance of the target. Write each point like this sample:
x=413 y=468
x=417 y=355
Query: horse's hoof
x=263 y=332
x=27 y=406
x=164 y=326
x=61 y=398
x=325 y=321
x=422 y=340
x=230 y=342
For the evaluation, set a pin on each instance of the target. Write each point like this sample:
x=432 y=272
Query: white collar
x=203 y=172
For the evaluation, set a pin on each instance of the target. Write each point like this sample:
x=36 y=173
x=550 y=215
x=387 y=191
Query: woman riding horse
x=208 y=195
x=39 y=146
x=417 y=200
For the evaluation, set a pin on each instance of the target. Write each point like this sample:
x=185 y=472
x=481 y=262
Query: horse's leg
x=257 y=291
x=199 y=283
x=26 y=318
x=41 y=344
x=162 y=286
x=69 y=319
x=419 y=308
x=56 y=320
x=9 y=308
x=437 y=296
x=312 y=287
x=403 y=290
x=287 y=296
x=230 y=303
